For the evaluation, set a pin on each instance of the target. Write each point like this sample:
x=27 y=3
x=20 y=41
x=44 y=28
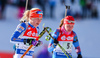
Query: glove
x=32 y=41
x=79 y=56
x=28 y=41
x=39 y=43
x=55 y=43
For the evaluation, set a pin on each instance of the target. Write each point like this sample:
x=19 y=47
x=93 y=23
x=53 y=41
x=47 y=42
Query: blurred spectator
x=30 y=4
x=93 y=0
x=21 y=6
x=13 y=2
x=77 y=15
x=52 y=4
x=63 y=1
x=72 y=1
x=44 y=53
x=94 y=13
x=89 y=8
x=83 y=7
x=98 y=0
x=2 y=8
x=68 y=13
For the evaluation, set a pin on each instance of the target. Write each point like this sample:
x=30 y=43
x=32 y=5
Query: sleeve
x=20 y=28
x=55 y=36
x=76 y=44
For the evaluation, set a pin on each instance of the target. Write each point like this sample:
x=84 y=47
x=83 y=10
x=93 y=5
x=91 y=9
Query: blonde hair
x=61 y=22
x=26 y=15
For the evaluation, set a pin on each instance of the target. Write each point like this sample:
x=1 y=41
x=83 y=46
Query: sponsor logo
x=29 y=53
x=40 y=15
x=63 y=38
x=21 y=27
x=68 y=38
x=31 y=34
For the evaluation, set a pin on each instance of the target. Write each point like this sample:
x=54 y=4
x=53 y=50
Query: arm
x=20 y=28
x=51 y=43
x=76 y=44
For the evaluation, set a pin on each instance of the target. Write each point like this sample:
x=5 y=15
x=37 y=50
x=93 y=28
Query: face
x=69 y=27
x=35 y=21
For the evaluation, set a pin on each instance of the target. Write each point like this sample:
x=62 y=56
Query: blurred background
x=87 y=24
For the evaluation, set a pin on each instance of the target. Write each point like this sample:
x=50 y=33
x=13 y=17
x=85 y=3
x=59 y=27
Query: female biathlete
x=26 y=33
x=65 y=36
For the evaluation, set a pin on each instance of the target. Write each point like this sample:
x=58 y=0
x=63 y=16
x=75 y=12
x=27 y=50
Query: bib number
x=67 y=45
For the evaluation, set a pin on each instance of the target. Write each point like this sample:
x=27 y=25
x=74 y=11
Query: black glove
x=39 y=43
x=79 y=56
x=29 y=41
x=55 y=42
x=32 y=41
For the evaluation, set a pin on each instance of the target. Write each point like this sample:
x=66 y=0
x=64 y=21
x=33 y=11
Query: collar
x=31 y=25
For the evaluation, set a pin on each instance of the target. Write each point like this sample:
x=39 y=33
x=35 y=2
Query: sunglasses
x=36 y=18
x=70 y=21
x=39 y=12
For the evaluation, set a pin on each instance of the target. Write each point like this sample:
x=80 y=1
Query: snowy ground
x=88 y=31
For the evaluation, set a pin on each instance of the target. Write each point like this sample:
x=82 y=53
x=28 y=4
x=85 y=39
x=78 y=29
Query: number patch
x=67 y=45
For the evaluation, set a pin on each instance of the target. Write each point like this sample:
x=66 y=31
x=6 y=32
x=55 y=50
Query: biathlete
x=26 y=33
x=65 y=36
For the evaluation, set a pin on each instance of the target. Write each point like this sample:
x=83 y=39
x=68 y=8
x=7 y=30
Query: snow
x=88 y=31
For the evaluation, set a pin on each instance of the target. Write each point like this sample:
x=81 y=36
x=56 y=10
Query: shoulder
x=57 y=30
x=74 y=33
x=22 y=25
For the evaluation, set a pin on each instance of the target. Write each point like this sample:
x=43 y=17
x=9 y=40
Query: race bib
x=67 y=45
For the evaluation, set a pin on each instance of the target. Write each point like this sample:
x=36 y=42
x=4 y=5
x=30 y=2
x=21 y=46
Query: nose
x=39 y=20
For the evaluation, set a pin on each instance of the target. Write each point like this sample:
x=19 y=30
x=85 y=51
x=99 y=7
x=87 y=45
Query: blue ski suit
x=65 y=40
x=23 y=31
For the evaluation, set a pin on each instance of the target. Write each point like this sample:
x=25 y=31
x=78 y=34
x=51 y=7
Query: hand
x=32 y=41
x=39 y=43
x=79 y=56
x=55 y=42
x=29 y=41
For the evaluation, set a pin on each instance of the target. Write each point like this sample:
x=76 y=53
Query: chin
x=69 y=30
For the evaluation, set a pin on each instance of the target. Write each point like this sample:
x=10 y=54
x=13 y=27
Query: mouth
x=69 y=30
x=37 y=23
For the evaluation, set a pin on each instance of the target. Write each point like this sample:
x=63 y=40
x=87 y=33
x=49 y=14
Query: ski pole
x=60 y=46
x=27 y=51
x=40 y=35
x=67 y=7
x=26 y=5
